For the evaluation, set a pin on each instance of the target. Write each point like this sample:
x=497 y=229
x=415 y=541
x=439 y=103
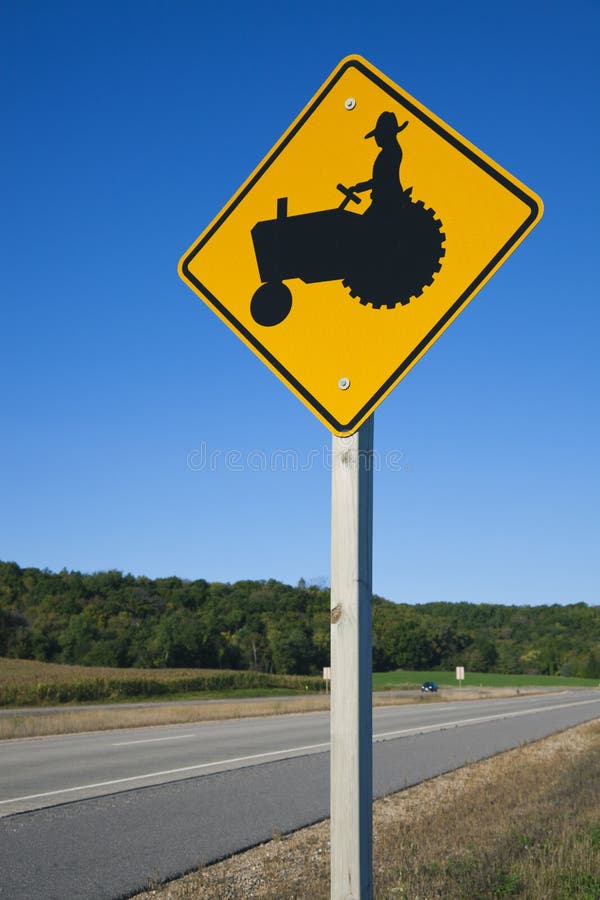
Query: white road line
x=419 y=729
x=217 y=762
x=174 y=737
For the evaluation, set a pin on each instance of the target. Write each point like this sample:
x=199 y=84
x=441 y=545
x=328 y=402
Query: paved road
x=160 y=801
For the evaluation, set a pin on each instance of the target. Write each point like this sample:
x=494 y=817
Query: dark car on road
x=429 y=687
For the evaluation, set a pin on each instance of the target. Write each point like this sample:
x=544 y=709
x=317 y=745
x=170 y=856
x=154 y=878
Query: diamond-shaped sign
x=356 y=242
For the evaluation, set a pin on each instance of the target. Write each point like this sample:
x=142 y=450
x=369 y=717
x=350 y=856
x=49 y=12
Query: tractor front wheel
x=271 y=303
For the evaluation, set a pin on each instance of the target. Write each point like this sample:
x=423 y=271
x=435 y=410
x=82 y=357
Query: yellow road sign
x=356 y=242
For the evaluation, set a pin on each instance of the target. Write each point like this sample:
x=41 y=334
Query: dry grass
x=22 y=724
x=525 y=824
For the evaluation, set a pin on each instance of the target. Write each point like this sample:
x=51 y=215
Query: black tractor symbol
x=385 y=257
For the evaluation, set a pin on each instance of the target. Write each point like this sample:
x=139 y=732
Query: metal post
x=351 y=699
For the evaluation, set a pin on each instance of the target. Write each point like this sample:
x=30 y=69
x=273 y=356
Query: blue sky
x=126 y=127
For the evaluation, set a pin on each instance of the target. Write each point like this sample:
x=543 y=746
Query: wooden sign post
x=338 y=247
x=351 y=684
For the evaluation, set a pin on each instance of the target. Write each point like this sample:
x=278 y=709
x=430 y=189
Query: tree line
x=115 y=619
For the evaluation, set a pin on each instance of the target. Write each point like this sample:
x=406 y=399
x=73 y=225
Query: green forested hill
x=112 y=619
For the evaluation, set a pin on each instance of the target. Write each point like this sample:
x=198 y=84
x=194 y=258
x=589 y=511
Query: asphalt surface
x=175 y=797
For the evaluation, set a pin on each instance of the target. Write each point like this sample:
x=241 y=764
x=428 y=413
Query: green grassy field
x=403 y=678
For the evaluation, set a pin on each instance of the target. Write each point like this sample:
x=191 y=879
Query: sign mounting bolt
x=344 y=384
x=350 y=103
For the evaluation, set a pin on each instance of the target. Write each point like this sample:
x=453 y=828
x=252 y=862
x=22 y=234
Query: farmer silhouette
x=387 y=194
x=385 y=257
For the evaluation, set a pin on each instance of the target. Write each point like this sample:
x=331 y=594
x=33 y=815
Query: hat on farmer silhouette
x=387 y=124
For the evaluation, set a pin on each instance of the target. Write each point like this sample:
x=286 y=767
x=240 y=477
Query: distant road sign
x=356 y=242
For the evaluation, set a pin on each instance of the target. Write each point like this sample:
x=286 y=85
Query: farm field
x=25 y=682
x=125 y=698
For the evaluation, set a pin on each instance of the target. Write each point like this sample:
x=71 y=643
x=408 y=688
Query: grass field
x=403 y=678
